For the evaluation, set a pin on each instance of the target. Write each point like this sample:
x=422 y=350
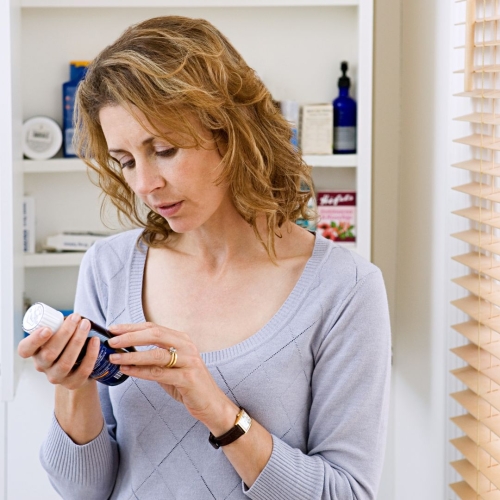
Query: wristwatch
x=242 y=425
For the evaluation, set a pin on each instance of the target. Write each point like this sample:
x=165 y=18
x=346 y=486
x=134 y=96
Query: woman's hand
x=55 y=354
x=188 y=381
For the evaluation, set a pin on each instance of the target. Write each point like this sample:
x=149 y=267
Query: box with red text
x=337 y=215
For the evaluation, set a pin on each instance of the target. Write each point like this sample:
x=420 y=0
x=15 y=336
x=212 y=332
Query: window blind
x=478 y=26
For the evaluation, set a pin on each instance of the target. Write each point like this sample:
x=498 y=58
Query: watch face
x=244 y=421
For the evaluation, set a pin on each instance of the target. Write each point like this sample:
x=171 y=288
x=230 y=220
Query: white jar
x=42 y=138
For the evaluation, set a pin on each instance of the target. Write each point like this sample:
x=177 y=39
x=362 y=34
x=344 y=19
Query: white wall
x=386 y=154
x=421 y=301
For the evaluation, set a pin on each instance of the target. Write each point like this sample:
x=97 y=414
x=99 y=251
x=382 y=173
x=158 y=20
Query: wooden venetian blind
x=479 y=445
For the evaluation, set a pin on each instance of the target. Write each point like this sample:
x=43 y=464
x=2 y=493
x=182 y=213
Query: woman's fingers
x=82 y=373
x=156 y=357
x=59 y=369
x=53 y=348
x=30 y=345
x=149 y=334
x=129 y=327
x=156 y=373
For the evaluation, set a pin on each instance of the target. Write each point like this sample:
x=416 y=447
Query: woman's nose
x=147 y=177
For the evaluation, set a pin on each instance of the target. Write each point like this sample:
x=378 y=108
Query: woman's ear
x=221 y=143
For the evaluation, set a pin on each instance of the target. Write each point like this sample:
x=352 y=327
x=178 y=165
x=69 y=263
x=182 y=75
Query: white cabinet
x=295 y=46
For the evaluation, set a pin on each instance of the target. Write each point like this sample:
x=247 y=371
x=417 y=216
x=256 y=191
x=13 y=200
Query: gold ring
x=173 y=358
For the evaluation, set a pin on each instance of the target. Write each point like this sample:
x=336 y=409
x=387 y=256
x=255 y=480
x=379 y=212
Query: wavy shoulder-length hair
x=173 y=68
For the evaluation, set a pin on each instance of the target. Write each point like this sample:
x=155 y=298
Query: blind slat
x=479 y=384
x=480 y=263
x=480 y=311
x=479 y=433
x=481 y=190
x=465 y=492
x=480 y=141
x=474 y=478
x=480 y=239
x=483 y=216
x=479 y=408
x=480 y=94
x=480 y=360
x=488 y=339
x=480 y=166
x=484 y=288
x=490 y=118
x=479 y=459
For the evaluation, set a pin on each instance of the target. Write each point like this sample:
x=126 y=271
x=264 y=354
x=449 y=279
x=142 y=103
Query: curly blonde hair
x=171 y=68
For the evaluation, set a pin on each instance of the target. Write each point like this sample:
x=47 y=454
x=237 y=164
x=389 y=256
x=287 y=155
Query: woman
x=253 y=335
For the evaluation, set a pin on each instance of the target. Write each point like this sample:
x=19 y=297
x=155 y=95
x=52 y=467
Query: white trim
x=69 y=165
x=11 y=189
x=364 y=128
x=55 y=165
x=66 y=259
x=188 y=3
x=333 y=161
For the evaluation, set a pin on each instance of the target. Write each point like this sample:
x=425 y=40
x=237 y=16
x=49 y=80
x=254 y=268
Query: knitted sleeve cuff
x=288 y=475
x=84 y=465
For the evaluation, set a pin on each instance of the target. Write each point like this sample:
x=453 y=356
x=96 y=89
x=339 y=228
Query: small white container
x=40 y=315
x=42 y=138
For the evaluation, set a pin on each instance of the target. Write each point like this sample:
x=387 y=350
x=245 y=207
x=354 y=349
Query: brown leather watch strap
x=234 y=433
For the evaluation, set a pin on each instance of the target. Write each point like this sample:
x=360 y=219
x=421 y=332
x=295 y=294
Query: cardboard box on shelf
x=337 y=215
x=316 y=129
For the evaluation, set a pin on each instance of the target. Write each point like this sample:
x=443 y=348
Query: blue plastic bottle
x=77 y=73
x=344 y=117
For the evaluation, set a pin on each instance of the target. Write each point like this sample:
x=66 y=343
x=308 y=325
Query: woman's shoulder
x=114 y=251
x=342 y=266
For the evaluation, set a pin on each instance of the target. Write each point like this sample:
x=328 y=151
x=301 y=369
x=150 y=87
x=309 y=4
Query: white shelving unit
x=296 y=46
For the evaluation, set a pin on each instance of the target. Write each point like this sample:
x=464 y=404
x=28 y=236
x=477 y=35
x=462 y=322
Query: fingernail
x=115 y=358
x=45 y=333
x=112 y=327
x=113 y=341
x=75 y=318
x=85 y=324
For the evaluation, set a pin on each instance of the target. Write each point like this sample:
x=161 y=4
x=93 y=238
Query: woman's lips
x=169 y=210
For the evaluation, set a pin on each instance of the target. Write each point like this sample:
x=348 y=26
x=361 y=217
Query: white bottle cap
x=42 y=138
x=40 y=315
x=290 y=111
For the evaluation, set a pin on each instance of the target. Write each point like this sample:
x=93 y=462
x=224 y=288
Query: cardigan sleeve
x=349 y=410
x=84 y=471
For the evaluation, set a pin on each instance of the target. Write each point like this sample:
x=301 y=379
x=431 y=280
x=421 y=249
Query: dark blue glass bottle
x=77 y=73
x=344 y=117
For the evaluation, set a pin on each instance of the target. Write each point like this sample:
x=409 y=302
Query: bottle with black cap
x=41 y=315
x=344 y=116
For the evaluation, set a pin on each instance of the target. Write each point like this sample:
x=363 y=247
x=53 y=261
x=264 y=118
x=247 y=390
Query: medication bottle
x=310 y=225
x=344 y=117
x=77 y=73
x=41 y=315
x=290 y=111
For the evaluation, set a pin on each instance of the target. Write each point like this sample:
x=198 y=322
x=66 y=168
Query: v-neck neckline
x=279 y=320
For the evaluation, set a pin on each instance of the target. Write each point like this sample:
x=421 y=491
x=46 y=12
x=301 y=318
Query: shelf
x=61 y=165
x=54 y=165
x=333 y=161
x=66 y=259
x=186 y=3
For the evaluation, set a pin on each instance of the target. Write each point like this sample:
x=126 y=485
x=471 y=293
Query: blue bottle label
x=104 y=371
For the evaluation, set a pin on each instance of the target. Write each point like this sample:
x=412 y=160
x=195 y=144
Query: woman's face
x=179 y=184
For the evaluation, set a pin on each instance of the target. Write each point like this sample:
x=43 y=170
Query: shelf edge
x=38 y=260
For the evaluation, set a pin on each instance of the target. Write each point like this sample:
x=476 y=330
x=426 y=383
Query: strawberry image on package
x=337 y=215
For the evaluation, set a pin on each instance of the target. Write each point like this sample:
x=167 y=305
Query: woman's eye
x=127 y=164
x=166 y=152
